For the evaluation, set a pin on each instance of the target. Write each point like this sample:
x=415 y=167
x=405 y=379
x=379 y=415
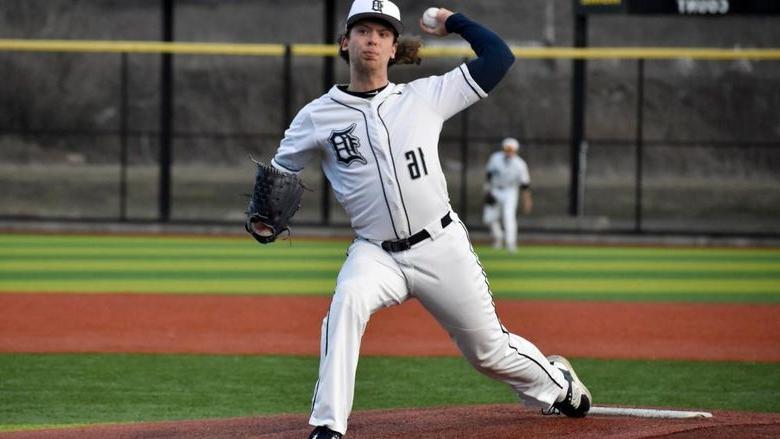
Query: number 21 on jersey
x=413 y=163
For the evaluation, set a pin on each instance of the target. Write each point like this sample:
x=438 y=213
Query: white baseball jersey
x=507 y=172
x=382 y=163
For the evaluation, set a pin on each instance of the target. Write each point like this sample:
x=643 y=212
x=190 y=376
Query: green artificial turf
x=211 y=265
x=46 y=389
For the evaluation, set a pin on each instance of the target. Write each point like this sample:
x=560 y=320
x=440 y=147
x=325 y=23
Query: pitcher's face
x=371 y=45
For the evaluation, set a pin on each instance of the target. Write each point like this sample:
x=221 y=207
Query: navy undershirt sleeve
x=493 y=55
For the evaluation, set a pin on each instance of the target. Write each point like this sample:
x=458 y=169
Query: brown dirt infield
x=484 y=421
x=290 y=325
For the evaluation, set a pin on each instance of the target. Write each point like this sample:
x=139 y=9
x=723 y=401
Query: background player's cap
x=510 y=143
x=380 y=9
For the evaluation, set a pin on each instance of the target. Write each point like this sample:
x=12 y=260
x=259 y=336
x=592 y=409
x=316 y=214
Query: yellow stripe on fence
x=647 y=53
x=141 y=47
x=184 y=48
x=315 y=49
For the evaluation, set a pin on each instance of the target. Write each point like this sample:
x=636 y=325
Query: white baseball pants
x=504 y=212
x=445 y=275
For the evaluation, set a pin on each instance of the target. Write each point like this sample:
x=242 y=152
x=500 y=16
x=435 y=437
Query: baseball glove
x=274 y=200
x=489 y=199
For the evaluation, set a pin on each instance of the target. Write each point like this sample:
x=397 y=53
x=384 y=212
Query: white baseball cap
x=380 y=9
x=510 y=143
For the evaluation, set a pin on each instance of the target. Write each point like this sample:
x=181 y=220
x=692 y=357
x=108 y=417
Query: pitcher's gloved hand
x=275 y=199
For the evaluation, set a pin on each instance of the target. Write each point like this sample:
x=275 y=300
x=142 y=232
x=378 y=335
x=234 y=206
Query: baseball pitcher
x=379 y=142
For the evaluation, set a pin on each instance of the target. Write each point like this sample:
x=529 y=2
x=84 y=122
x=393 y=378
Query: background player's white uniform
x=508 y=175
x=381 y=158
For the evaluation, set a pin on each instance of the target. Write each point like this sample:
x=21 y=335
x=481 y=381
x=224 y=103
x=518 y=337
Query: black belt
x=399 y=245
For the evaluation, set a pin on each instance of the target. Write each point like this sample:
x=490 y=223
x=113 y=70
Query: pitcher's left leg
x=451 y=284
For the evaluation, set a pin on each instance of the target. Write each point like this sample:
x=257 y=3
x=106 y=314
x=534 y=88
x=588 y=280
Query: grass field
x=63 y=389
x=239 y=266
x=38 y=390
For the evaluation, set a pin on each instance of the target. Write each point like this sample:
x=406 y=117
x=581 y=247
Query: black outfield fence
x=127 y=150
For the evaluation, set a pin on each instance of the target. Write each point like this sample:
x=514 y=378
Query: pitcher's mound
x=483 y=421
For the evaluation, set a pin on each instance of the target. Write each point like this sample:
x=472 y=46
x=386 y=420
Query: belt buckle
x=397 y=246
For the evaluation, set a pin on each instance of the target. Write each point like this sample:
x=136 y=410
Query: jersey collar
x=336 y=93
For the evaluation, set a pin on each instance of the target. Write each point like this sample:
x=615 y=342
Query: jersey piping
x=392 y=160
x=465 y=78
x=378 y=171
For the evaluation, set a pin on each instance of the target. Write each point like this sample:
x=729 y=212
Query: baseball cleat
x=323 y=432
x=577 y=402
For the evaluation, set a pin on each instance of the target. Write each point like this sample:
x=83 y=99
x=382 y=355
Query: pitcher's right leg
x=368 y=281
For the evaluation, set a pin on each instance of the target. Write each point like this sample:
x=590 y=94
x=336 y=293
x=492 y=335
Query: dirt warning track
x=291 y=325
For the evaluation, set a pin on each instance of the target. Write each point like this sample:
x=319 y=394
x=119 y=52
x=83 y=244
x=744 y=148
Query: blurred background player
x=507 y=178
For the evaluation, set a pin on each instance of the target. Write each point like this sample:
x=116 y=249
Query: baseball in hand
x=430 y=18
